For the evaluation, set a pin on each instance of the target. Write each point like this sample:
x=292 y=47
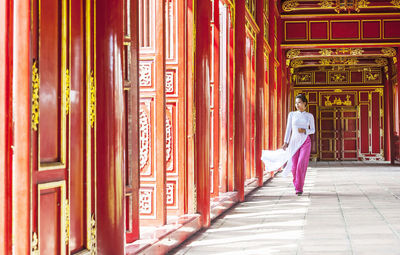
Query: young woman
x=296 y=149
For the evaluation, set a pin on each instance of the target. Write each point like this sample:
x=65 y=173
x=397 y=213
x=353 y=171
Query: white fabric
x=273 y=160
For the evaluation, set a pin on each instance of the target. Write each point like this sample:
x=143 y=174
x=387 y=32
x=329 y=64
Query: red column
x=388 y=97
x=110 y=181
x=260 y=76
x=202 y=106
x=239 y=97
x=5 y=170
x=21 y=115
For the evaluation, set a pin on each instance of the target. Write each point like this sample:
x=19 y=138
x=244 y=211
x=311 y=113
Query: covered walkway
x=346 y=208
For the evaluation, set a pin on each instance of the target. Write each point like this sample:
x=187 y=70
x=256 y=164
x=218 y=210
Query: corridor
x=346 y=208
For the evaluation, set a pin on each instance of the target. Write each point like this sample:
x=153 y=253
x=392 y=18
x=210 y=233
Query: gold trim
x=67 y=91
x=335 y=15
x=92 y=109
x=35 y=244
x=362 y=29
x=35 y=96
x=93 y=238
x=344 y=21
x=67 y=222
x=396 y=3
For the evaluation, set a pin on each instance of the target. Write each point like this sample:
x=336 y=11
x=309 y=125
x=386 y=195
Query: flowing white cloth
x=273 y=160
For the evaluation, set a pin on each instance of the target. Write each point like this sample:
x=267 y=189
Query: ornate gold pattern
x=326 y=4
x=389 y=52
x=362 y=4
x=356 y=51
x=325 y=61
x=35 y=96
x=380 y=90
x=290 y=5
x=93 y=237
x=305 y=77
x=371 y=77
x=337 y=77
x=325 y=52
x=293 y=53
x=67 y=91
x=35 y=244
x=297 y=63
x=337 y=101
x=92 y=110
x=67 y=222
x=396 y=3
x=381 y=61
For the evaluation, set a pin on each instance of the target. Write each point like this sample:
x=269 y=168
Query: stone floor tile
x=346 y=208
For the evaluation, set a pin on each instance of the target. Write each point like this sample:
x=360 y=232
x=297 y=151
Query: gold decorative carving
x=67 y=91
x=35 y=96
x=337 y=77
x=303 y=78
x=67 y=222
x=371 y=77
x=356 y=51
x=381 y=61
x=293 y=53
x=325 y=61
x=93 y=238
x=35 y=244
x=362 y=4
x=380 y=90
x=343 y=51
x=389 y=52
x=297 y=63
x=396 y=3
x=290 y=5
x=338 y=90
x=326 y=52
x=92 y=91
x=327 y=101
x=337 y=101
x=325 y=4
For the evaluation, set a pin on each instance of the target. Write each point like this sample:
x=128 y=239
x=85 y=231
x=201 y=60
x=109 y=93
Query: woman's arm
x=311 y=129
x=288 y=128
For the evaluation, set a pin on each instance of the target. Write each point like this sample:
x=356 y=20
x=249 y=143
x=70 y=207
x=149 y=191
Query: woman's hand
x=284 y=146
x=302 y=130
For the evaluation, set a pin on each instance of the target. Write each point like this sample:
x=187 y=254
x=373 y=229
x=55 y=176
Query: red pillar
x=5 y=169
x=21 y=113
x=110 y=181
x=202 y=106
x=239 y=97
x=388 y=97
x=260 y=76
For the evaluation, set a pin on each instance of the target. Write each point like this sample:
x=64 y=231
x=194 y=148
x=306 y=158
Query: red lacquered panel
x=50 y=79
x=364 y=128
x=319 y=30
x=345 y=30
x=356 y=77
x=375 y=123
x=371 y=29
x=295 y=30
x=391 y=29
x=49 y=226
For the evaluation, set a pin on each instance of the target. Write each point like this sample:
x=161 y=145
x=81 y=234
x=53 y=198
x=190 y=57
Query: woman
x=296 y=149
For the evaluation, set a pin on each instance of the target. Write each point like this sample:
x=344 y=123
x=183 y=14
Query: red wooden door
x=329 y=134
x=63 y=122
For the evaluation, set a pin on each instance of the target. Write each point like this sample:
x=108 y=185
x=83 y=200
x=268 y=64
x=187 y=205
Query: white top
x=298 y=120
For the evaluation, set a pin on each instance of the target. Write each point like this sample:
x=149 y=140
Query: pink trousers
x=300 y=163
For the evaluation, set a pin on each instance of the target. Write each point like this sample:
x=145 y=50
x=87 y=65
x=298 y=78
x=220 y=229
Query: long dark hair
x=303 y=98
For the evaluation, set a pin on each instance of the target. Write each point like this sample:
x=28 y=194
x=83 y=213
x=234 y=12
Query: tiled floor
x=346 y=208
